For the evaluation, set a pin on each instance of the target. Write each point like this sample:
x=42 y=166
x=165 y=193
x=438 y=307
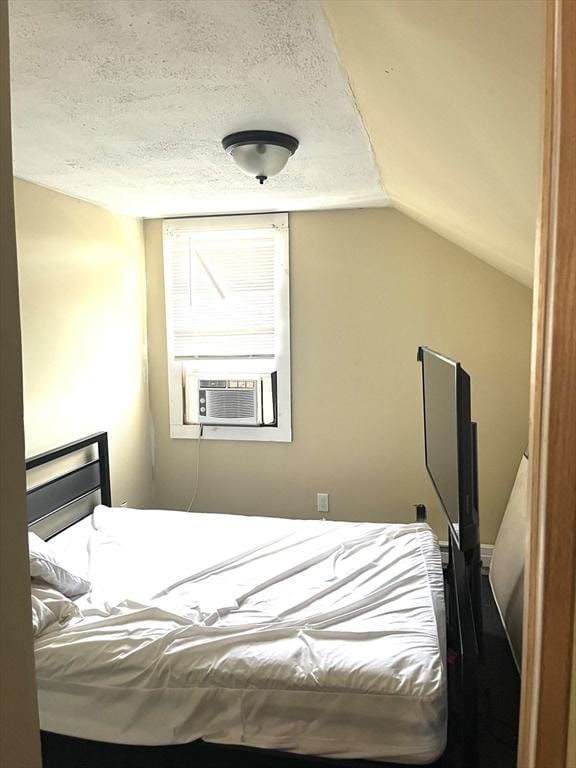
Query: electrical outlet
x=322 y=505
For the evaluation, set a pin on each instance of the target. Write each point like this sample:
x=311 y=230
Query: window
x=228 y=327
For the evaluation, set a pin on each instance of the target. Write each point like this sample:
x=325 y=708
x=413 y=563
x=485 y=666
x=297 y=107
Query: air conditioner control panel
x=227 y=383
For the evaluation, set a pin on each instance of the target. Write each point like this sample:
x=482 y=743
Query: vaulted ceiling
x=450 y=93
x=431 y=105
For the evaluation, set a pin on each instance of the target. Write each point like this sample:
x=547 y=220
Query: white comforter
x=311 y=636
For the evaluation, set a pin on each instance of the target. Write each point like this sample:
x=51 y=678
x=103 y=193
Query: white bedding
x=310 y=636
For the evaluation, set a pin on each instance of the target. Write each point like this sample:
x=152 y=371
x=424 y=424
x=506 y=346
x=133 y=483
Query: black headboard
x=64 y=490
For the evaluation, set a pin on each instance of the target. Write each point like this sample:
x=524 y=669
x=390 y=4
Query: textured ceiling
x=125 y=104
x=450 y=93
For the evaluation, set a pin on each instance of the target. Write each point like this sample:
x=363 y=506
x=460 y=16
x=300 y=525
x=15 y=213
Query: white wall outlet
x=322 y=505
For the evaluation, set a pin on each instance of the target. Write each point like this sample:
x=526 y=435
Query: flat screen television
x=450 y=443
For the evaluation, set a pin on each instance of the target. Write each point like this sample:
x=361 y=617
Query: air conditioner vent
x=231 y=404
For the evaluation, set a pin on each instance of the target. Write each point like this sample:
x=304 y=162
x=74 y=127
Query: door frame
x=551 y=564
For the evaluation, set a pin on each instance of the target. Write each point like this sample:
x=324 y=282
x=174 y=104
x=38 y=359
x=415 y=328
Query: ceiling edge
x=346 y=76
x=517 y=272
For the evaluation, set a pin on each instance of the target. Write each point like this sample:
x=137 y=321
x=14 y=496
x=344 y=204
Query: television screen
x=449 y=441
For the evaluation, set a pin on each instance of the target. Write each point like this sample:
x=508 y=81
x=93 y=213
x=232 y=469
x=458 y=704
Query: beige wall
x=19 y=741
x=82 y=292
x=367 y=287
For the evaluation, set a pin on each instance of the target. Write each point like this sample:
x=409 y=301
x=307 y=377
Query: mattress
x=315 y=637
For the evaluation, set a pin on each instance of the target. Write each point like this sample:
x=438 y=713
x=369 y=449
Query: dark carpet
x=499 y=691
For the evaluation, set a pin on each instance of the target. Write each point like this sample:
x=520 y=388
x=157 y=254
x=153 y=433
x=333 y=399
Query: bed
x=320 y=639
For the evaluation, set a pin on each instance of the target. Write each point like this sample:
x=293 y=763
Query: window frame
x=283 y=431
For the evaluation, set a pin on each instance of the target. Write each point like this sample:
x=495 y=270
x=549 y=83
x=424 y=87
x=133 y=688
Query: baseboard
x=485 y=553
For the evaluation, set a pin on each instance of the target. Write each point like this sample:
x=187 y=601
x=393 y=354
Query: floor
x=499 y=707
x=499 y=692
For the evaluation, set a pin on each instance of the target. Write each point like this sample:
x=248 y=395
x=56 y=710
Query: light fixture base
x=275 y=138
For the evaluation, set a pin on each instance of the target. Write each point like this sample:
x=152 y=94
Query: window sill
x=279 y=434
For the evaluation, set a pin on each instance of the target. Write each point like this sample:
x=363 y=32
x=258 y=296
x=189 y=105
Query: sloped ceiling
x=450 y=93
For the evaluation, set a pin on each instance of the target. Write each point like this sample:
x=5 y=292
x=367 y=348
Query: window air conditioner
x=230 y=401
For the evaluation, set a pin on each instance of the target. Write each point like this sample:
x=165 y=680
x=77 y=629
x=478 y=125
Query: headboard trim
x=60 y=492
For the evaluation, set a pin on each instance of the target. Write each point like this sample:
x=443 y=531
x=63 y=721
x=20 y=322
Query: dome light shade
x=260 y=153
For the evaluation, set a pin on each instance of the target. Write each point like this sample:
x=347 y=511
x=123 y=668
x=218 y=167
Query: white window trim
x=283 y=432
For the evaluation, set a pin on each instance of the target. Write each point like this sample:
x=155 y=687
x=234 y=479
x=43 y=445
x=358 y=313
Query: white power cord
x=197 y=469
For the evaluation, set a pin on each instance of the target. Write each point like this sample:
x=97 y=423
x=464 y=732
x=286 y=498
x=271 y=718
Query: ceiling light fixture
x=260 y=153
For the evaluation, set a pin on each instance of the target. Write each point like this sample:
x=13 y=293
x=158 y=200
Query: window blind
x=222 y=293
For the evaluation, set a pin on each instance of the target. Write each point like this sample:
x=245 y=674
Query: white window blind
x=222 y=293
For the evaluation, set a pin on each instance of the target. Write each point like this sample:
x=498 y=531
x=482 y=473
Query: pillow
x=49 y=606
x=45 y=566
x=42 y=616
